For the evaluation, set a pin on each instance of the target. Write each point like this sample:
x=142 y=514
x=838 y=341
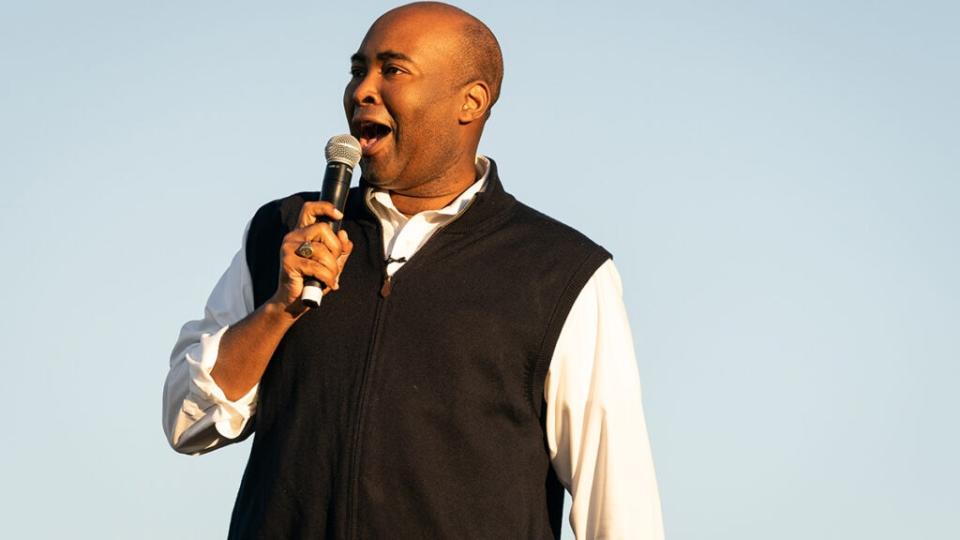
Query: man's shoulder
x=539 y=230
x=527 y=214
x=549 y=231
x=271 y=222
x=278 y=210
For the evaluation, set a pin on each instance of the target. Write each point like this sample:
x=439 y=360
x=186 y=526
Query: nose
x=363 y=90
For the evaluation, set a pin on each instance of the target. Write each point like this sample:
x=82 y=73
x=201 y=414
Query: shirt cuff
x=228 y=416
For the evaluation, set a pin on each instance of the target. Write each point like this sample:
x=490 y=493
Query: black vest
x=415 y=411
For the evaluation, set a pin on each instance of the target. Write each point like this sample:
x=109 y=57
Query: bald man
x=471 y=360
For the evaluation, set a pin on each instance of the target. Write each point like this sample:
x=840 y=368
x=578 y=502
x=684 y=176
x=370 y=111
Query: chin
x=376 y=174
x=371 y=174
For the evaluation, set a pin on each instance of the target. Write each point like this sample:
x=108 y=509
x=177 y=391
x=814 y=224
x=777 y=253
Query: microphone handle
x=336 y=186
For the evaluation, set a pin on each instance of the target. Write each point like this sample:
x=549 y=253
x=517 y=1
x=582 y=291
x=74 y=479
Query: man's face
x=403 y=100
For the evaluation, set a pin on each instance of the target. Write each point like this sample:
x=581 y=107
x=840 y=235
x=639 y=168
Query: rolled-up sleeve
x=197 y=416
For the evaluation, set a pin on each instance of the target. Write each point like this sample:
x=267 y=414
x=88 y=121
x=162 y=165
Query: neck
x=436 y=194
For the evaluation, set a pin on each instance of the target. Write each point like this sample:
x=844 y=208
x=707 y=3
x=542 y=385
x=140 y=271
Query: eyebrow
x=358 y=58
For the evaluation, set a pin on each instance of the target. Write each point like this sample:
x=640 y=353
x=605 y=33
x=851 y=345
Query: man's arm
x=246 y=348
x=215 y=367
x=595 y=425
x=197 y=416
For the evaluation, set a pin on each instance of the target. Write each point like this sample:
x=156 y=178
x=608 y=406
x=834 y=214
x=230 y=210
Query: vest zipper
x=353 y=501
x=385 y=289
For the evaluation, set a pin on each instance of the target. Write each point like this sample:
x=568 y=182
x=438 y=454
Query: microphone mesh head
x=343 y=149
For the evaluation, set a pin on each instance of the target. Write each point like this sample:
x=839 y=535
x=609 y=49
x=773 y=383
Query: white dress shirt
x=595 y=426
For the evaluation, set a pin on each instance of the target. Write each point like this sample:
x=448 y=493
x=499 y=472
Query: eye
x=390 y=69
x=357 y=72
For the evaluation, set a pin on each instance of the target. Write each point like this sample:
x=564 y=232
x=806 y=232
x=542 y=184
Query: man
x=470 y=360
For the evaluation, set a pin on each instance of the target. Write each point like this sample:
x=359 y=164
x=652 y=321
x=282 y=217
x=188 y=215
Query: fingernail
x=338 y=213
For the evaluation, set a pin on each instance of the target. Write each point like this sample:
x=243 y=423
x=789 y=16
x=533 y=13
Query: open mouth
x=370 y=134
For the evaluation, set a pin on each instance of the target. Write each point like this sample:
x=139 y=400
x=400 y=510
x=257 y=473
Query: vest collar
x=487 y=205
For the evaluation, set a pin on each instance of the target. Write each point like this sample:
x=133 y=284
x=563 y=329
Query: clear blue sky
x=778 y=182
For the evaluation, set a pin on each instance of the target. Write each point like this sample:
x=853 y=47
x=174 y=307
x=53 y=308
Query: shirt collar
x=379 y=201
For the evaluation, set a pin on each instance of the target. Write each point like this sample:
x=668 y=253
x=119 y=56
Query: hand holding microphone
x=314 y=254
x=343 y=154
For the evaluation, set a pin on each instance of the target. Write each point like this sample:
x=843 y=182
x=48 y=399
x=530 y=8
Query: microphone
x=343 y=154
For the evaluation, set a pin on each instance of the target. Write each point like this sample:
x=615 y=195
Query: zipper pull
x=386 y=287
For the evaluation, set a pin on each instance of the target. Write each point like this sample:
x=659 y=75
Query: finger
x=323 y=233
x=318 y=234
x=344 y=255
x=311 y=211
x=320 y=255
x=346 y=249
x=327 y=260
x=302 y=269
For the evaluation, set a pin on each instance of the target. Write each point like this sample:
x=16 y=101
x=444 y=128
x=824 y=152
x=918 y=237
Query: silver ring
x=305 y=250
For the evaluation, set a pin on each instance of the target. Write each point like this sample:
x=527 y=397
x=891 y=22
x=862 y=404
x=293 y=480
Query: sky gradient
x=778 y=183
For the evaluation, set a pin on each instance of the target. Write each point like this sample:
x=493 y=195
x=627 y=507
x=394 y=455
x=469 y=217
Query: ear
x=476 y=102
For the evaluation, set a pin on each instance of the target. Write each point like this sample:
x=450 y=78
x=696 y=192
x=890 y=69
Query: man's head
x=422 y=85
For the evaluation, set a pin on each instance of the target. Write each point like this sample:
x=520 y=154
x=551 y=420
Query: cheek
x=348 y=93
x=429 y=118
x=348 y=101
